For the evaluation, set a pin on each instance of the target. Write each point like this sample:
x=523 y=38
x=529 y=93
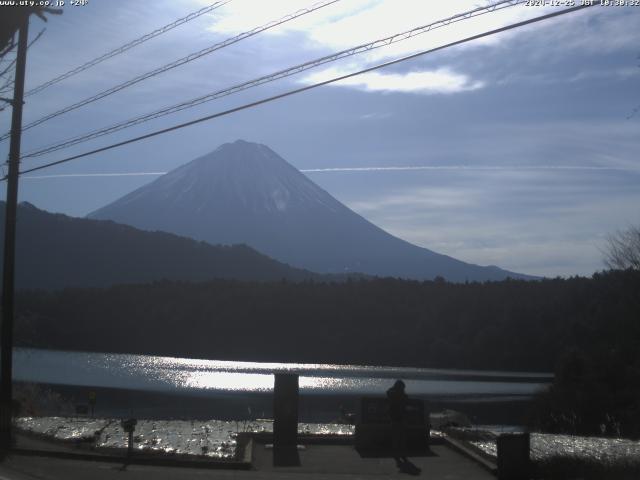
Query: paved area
x=317 y=462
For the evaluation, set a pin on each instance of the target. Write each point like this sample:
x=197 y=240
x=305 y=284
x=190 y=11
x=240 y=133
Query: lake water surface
x=194 y=376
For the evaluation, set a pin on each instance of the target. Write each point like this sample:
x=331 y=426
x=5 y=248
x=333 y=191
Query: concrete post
x=285 y=420
x=513 y=456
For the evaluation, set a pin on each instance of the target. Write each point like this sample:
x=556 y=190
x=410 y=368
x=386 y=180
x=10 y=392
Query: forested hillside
x=57 y=251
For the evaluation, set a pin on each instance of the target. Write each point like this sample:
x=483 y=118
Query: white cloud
x=622 y=73
x=352 y=22
x=442 y=80
x=421 y=198
x=570 y=77
x=618 y=26
x=479 y=168
x=375 y=116
x=347 y=24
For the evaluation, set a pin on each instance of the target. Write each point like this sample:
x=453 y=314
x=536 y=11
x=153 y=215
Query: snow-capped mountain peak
x=244 y=192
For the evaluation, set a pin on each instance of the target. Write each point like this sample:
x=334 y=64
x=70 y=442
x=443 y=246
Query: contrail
x=375 y=169
x=468 y=167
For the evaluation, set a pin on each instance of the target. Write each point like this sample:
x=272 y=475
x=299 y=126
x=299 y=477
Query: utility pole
x=8 y=274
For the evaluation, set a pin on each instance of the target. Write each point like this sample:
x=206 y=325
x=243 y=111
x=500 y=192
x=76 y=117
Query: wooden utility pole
x=8 y=274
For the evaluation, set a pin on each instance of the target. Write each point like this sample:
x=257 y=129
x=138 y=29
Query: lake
x=194 y=376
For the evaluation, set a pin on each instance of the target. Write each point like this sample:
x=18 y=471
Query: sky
x=520 y=150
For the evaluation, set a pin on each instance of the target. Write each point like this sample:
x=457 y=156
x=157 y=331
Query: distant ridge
x=55 y=251
x=244 y=192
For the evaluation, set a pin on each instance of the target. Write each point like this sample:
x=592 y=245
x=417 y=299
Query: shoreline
x=243 y=406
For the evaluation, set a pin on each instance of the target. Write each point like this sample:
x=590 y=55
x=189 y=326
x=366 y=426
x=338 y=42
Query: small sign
x=92 y=398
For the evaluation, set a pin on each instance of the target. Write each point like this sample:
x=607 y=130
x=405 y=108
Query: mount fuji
x=245 y=193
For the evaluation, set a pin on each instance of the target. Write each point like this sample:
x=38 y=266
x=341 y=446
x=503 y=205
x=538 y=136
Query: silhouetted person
x=397 y=412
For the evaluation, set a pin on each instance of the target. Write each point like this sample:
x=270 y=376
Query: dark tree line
x=506 y=325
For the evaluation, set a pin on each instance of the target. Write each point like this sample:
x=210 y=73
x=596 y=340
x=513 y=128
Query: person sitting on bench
x=397 y=412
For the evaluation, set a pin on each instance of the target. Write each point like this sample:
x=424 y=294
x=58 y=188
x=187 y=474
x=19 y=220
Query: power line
x=272 y=77
x=8 y=68
x=8 y=48
x=177 y=63
x=308 y=87
x=10 y=81
x=127 y=46
x=6 y=88
x=11 y=63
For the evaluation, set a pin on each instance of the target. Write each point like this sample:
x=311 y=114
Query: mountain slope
x=245 y=193
x=56 y=251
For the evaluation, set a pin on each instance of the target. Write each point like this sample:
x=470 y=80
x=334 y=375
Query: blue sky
x=524 y=148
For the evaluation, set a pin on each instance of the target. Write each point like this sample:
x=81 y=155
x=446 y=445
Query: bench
x=373 y=429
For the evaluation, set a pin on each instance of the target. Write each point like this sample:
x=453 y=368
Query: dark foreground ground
x=317 y=462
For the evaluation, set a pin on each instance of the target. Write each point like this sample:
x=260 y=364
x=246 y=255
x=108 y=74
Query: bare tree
x=623 y=249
